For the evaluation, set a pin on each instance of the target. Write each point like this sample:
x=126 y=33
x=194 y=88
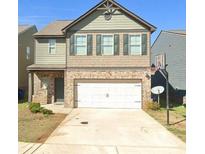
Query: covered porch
x=46 y=84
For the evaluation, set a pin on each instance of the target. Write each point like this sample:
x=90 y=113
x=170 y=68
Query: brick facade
x=45 y=96
x=109 y=74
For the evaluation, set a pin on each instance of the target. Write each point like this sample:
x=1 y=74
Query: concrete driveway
x=111 y=131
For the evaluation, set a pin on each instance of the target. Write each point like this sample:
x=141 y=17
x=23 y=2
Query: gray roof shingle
x=54 y=28
x=23 y=28
x=176 y=31
x=46 y=67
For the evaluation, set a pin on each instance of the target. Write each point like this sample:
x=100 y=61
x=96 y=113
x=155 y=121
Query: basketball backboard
x=160 y=61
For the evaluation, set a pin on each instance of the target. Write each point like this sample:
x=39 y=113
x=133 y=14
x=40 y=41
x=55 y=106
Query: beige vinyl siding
x=109 y=61
x=96 y=21
x=25 y=39
x=43 y=56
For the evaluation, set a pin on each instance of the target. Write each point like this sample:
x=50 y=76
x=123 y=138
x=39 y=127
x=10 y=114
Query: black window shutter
x=89 y=45
x=98 y=45
x=144 y=44
x=116 y=44
x=72 y=45
x=125 y=44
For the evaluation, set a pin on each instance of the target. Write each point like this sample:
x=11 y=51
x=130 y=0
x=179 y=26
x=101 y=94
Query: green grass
x=181 y=110
x=36 y=128
x=177 y=120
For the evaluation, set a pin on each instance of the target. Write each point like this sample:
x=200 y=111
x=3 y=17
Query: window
x=81 y=45
x=135 y=45
x=44 y=83
x=107 y=45
x=52 y=46
x=28 y=53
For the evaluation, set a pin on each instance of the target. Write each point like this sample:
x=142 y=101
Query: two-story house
x=102 y=60
x=170 y=48
x=25 y=54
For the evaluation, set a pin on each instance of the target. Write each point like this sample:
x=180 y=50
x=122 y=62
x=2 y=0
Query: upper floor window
x=28 y=53
x=135 y=45
x=81 y=44
x=107 y=45
x=52 y=46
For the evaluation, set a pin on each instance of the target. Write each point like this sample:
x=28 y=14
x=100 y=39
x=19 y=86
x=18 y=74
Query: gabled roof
x=134 y=16
x=179 y=32
x=24 y=28
x=53 y=29
x=176 y=31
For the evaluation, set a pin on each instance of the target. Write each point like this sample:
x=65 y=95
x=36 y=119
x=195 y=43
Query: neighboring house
x=25 y=53
x=171 y=43
x=101 y=59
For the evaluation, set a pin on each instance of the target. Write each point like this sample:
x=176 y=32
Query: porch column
x=29 y=87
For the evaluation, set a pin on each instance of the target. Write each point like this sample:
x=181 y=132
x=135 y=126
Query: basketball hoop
x=157 y=68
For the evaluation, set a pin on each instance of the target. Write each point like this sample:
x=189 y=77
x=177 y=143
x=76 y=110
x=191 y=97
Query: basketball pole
x=165 y=74
x=167 y=93
x=158 y=97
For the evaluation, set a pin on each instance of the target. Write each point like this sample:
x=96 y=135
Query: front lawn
x=37 y=127
x=177 y=120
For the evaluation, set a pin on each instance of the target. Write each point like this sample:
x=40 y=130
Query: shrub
x=152 y=106
x=36 y=108
x=47 y=112
x=41 y=109
x=36 y=105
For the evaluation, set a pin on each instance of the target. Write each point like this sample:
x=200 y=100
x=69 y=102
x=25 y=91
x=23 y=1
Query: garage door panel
x=109 y=95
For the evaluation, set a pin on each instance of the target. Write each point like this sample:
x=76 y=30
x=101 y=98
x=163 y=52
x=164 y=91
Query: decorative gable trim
x=111 y=5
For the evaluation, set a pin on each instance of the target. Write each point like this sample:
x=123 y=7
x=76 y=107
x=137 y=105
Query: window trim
x=49 y=46
x=113 y=45
x=75 y=43
x=129 y=44
x=28 y=57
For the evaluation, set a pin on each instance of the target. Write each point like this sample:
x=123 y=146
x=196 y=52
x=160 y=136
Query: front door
x=59 y=89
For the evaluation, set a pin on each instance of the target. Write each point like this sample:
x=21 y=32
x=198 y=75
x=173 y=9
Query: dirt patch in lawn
x=177 y=120
x=36 y=128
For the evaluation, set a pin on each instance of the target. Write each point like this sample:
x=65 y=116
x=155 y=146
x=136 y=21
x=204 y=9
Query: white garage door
x=109 y=95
